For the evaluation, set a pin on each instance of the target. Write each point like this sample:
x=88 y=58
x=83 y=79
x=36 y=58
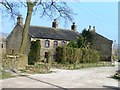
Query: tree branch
x=35 y=2
x=23 y=3
x=4 y=4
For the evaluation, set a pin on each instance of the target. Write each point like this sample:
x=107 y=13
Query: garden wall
x=15 y=62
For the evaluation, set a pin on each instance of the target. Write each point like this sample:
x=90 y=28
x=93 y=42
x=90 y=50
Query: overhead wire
x=98 y=17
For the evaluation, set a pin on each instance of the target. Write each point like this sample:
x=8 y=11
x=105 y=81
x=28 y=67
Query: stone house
x=51 y=37
x=102 y=44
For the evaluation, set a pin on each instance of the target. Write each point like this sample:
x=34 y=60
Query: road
x=97 y=77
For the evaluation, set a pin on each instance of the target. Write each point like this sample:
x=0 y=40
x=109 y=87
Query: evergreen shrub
x=76 y=55
x=34 y=54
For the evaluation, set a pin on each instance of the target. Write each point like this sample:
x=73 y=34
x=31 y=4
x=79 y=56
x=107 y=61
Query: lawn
x=5 y=75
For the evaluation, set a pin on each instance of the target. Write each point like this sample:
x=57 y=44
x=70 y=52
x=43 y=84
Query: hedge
x=76 y=55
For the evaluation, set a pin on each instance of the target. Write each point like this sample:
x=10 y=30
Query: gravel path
x=97 y=77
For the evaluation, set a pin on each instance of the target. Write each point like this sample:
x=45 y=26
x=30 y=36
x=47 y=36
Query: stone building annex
x=51 y=37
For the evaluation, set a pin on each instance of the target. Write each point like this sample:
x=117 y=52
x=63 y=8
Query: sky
x=102 y=15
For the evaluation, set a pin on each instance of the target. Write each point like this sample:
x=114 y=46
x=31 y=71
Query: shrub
x=59 y=54
x=48 y=57
x=34 y=54
x=72 y=44
x=76 y=55
x=88 y=37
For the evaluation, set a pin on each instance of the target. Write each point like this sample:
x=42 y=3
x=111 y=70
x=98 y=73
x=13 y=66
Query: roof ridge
x=39 y=26
x=51 y=27
x=103 y=36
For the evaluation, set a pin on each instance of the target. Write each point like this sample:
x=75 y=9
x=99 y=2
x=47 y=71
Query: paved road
x=83 y=78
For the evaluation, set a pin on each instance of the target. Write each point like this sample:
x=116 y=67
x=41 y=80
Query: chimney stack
x=55 y=24
x=73 y=27
x=19 y=20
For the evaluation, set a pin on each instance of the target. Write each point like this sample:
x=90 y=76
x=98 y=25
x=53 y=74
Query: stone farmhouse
x=51 y=37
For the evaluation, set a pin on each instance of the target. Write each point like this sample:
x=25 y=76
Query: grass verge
x=80 y=65
x=5 y=75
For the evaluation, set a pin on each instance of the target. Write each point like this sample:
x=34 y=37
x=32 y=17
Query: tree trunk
x=26 y=28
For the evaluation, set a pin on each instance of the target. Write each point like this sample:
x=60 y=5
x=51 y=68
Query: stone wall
x=51 y=48
x=13 y=41
x=15 y=62
x=104 y=46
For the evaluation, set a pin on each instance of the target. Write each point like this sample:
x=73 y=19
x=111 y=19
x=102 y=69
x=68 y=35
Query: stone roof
x=52 y=33
x=100 y=36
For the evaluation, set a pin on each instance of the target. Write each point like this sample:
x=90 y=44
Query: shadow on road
x=112 y=87
x=47 y=83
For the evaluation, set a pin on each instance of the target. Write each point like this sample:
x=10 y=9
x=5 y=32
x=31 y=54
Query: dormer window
x=47 y=43
x=55 y=43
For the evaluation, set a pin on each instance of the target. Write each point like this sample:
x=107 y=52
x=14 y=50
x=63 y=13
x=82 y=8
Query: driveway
x=97 y=77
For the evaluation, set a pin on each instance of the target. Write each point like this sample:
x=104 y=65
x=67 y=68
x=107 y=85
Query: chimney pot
x=19 y=20
x=55 y=23
x=73 y=27
x=94 y=28
x=89 y=28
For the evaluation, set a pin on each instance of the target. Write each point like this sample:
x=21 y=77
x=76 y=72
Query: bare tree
x=45 y=8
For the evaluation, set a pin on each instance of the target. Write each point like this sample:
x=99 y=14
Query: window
x=55 y=43
x=1 y=45
x=47 y=43
x=63 y=42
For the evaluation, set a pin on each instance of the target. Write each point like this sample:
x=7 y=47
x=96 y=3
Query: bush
x=59 y=54
x=34 y=54
x=72 y=44
x=76 y=55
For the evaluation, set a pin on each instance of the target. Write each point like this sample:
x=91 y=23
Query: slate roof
x=100 y=36
x=51 y=33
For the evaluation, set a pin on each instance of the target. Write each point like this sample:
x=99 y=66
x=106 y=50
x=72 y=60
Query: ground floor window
x=1 y=45
x=55 y=43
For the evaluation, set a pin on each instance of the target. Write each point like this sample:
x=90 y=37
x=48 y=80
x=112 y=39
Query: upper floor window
x=63 y=42
x=55 y=43
x=47 y=43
